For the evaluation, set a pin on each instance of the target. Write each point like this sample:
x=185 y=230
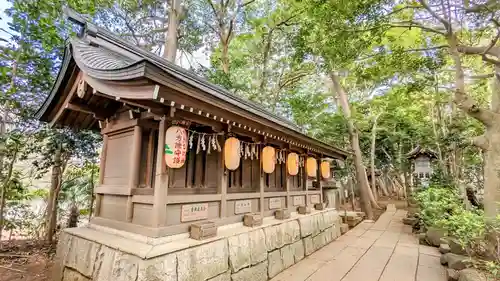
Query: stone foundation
x=238 y=253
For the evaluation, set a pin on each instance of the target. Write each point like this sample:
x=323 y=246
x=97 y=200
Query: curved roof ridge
x=163 y=63
x=100 y=49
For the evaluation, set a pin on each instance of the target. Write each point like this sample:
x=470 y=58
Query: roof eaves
x=40 y=114
x=95 y=31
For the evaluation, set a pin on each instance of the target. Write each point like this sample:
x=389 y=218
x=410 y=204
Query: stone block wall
x=256 y=254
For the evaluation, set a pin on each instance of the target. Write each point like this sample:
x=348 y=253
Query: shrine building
x=181 y=154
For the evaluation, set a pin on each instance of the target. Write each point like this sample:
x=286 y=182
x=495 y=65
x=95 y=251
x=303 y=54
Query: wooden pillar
x=319 y=178
x=305 y=179
x=161 y=180
x=135 y=160
x=289 y=203
x=222 y=185
x=149 y=162
x=262 y=187
x=102 y=165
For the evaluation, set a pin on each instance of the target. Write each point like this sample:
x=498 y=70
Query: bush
x=441 y=207
x=468 y=227
x=437 y=203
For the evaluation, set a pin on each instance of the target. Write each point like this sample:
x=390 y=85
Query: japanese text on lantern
x=180 y=146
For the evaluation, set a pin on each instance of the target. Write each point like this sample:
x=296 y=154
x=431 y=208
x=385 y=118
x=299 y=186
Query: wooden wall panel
x=189 y=170
x=212 y=168
x=199 y=170
x=147 y=158
x=246 y=173
x=177 y=177
x=256 y=174
x=279 y=176
x=271 y=180
x=118 y=159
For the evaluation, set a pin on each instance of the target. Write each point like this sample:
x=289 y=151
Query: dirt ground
x=25 y=260
x=28 y=260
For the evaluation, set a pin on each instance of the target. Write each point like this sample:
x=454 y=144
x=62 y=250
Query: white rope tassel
x=247 y=151
x=209 y=146
x=214 y=137
x=191 y=136
x=198 y=145
x=218 y=145
x=203 y=144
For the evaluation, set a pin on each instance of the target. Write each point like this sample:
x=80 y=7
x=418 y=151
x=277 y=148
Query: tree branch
x=408 y=51
x=481 y=142
x=247 y=3
x=417 y=25
x=490 y=60
x=402 y=9
x=470 y=106
x=470 y=50
x=446 y=23
x=149 y=33
x=482 y=76
x=488 y=6
x=493 y=41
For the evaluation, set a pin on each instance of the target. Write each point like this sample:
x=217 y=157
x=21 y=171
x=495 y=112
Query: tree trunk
x=350 y=186
x=390 y=184
x=354 y=139
x=434 y=129
x=383 y=187
x=489 y=141
x=171 y=36
x=92 y=197
x=225 y=54
x=372 y=156
x=265 y=61
x=490 y=144
x=5 y=185
x=55 y=187
x=371 y=193
x=3 y=131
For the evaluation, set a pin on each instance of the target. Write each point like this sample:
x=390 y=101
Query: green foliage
x=77 y=187
x=437 y=203
x=440 y=178
x=467 y=226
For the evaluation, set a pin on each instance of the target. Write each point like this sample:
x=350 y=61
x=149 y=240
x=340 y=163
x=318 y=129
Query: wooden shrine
x=176 y=148
x=421 y=159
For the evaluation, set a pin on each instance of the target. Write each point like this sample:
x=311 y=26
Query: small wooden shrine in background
x=178 y=149
x=421 y=159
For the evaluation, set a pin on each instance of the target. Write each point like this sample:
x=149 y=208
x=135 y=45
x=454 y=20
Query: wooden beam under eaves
x=68 y=98
x=86 y=109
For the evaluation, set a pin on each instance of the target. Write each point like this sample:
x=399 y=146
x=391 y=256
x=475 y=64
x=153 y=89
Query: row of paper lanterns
x=176 y=145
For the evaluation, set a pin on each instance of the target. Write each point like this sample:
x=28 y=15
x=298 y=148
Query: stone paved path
x=381 y=251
